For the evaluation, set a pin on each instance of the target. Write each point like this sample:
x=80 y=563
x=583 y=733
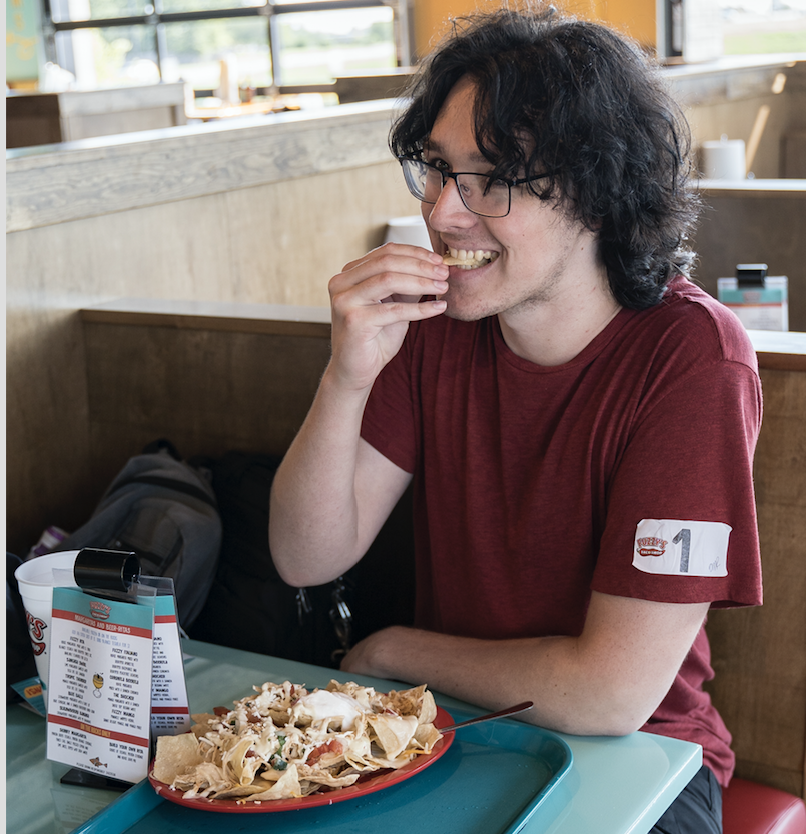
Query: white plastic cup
x=36 y=580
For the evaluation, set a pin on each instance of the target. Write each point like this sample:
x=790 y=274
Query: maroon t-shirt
x=533 y=485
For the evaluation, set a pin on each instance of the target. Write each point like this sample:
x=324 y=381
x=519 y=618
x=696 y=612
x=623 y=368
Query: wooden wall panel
x=207 y=391
x=286 y=241
x=275 y=243
x=47 y=445
x=760 y=653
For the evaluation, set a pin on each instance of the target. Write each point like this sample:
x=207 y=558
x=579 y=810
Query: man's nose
x=449 y=211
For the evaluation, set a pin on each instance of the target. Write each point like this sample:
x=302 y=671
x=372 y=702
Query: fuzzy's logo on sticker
x=651 y=546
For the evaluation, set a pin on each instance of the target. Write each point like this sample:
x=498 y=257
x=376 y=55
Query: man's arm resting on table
x=607 y=681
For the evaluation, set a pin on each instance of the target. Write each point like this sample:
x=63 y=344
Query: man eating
x=578 y=419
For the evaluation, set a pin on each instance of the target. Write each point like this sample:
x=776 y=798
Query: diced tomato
x=332 y=746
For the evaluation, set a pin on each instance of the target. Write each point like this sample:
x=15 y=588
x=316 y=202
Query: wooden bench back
x=759 y=654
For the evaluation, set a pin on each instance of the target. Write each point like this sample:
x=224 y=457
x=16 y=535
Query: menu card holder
x=759 y=300
x=116 y=674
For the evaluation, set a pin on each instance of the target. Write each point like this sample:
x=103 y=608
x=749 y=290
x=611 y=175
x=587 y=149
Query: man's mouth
x=469 y=258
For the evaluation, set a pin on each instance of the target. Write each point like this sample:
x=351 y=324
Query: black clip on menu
x=749 y=276
x=104 y=573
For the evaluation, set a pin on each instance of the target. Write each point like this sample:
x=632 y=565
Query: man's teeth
x=468 y=258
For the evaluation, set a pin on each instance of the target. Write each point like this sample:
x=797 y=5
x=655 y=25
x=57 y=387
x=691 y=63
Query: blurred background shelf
x=34 y=118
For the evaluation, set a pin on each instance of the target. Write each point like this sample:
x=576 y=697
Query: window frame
x=270 y=10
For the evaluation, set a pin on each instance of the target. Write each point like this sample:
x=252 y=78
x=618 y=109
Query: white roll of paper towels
x=724 y=159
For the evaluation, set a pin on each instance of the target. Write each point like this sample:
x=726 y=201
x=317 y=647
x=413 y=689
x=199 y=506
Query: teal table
x=613 y=785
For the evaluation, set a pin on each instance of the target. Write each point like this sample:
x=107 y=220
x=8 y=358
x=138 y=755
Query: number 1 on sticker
x=684 y=536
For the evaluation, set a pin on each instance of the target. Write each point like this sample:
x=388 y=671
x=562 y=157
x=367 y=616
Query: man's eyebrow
x=475 y=158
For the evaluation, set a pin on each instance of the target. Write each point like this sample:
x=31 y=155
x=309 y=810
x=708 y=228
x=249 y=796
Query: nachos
x=285 y=742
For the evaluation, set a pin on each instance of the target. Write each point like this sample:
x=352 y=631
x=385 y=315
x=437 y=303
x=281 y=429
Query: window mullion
x=271 y=34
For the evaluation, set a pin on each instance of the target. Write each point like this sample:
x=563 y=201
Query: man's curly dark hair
x=561 y=94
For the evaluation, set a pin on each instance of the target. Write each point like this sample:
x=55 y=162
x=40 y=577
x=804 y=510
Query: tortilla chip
x=286 y=787
x=280 y=717
x=175 y=754
x=364 y=695
x=323 y=777
x=428 y=710
x=270 y=775
x=417 y=701
x=393 y=732
x=202 y=780
x=426 y=736
x=232 y=759
x=359 y=752
x=244 y=768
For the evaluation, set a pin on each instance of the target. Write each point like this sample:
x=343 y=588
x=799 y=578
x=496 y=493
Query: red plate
x=366 y=785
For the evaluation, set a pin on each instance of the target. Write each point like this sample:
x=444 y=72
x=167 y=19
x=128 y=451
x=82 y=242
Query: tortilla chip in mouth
x=469 y=258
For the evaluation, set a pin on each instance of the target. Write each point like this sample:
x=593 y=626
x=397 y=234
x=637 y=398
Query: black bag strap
x=168 y=483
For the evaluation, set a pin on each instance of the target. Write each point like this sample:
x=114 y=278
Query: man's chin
x=463 y=311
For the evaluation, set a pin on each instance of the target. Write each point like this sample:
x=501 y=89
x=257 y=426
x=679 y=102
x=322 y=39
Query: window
x=763 y=26
x=264 y=43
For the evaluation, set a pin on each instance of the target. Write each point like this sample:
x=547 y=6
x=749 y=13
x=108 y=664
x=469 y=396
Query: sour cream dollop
x=323 y=704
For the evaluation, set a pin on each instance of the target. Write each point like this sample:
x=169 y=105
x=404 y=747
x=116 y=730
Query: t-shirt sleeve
x=681 y=518
x=390 y=419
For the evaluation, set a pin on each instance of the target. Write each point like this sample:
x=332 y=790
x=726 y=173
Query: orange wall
x=634 y=17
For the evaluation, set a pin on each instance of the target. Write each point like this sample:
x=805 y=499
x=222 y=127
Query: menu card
x=116 y=678
x=99 y=697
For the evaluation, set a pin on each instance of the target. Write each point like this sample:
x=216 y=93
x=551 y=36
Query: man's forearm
x=607 y=681
x=497 y=674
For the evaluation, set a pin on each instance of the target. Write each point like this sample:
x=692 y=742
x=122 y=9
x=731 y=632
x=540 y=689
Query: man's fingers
x=383 y=286
x=390 y=311
x=396 y=250
x=404 y=270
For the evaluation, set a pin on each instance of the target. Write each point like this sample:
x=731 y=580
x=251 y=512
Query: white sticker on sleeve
x=681 y=548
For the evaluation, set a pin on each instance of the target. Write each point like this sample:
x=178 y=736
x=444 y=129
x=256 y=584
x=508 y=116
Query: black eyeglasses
x=482 y=194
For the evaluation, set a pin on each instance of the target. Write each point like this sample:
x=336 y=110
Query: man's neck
x=554 y=333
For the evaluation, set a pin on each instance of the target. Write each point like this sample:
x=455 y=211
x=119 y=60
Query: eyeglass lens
x=477 y=193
